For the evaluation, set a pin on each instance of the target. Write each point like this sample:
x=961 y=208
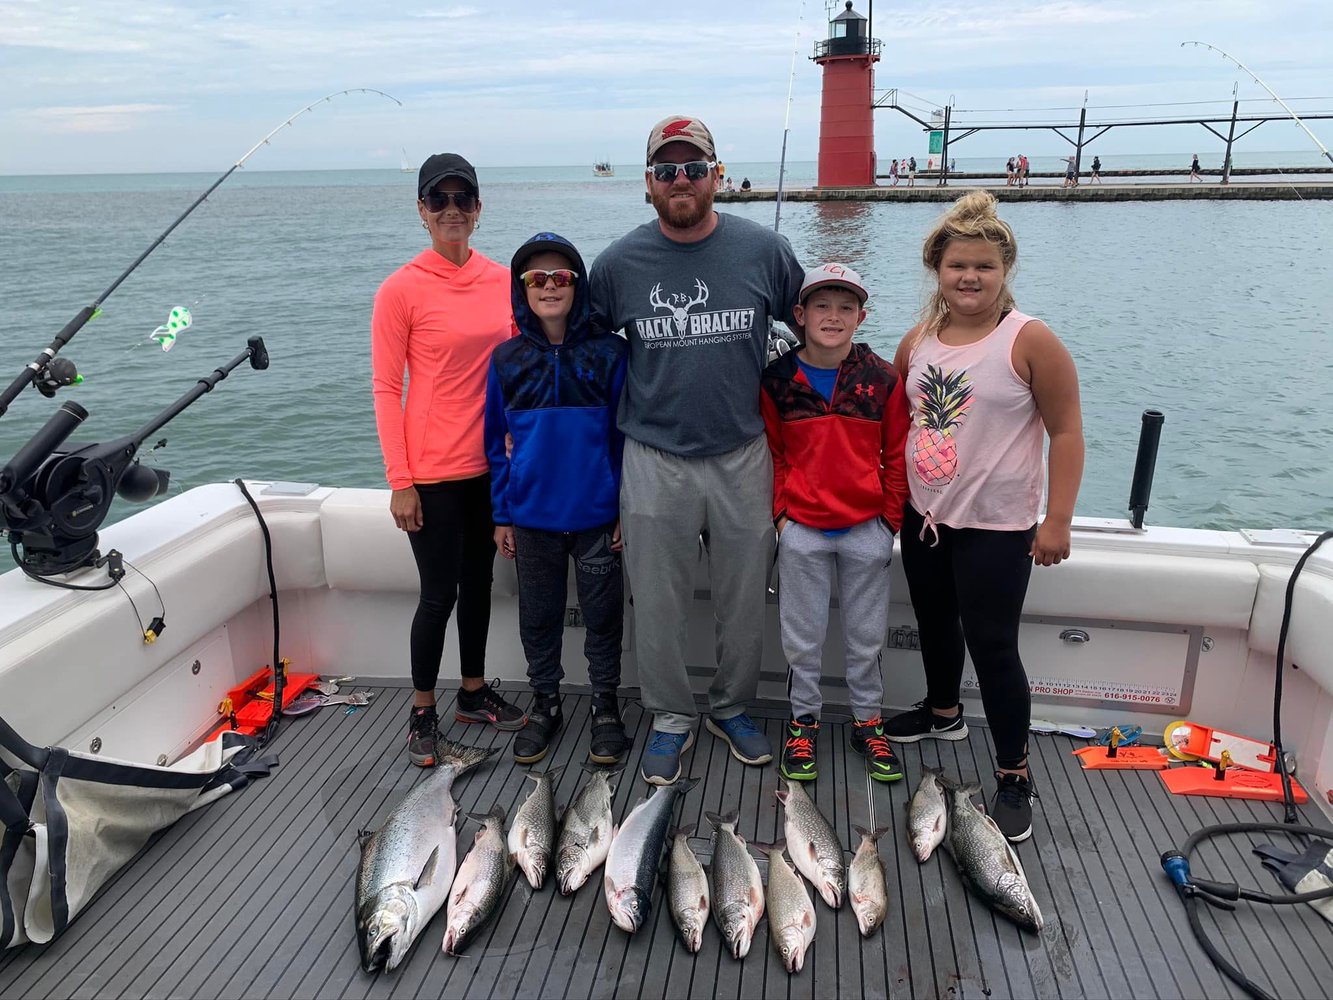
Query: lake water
x=1213 y=312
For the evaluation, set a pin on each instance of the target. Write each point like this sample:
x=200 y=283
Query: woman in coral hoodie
x=438 y=318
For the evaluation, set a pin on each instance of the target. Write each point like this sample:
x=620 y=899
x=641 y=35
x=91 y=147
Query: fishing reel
x=52 y=501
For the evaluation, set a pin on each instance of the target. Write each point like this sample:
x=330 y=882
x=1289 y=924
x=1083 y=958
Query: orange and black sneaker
x=798 y=749
x=869 y=741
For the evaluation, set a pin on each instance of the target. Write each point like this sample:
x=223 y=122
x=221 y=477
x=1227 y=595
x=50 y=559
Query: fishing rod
x=49 y=373
x=1255 y=77
x=786 y=121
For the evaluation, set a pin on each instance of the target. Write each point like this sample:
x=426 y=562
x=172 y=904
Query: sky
x=167 y=85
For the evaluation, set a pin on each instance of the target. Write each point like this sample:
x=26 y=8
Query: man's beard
x=680 y=215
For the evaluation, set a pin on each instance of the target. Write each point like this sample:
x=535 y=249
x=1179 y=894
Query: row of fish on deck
x=409 y=868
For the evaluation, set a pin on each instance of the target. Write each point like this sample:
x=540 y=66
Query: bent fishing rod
x=1273 y=93
x=48 y=372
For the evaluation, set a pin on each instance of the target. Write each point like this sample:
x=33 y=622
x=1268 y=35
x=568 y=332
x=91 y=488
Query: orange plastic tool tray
x=1236 y=783
x=252 y=701
x=1126 y=759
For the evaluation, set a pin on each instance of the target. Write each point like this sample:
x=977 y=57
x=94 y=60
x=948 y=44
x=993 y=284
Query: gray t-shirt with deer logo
x=696 y=316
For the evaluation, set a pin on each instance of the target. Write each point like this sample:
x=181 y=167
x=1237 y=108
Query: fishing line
x=34 y=372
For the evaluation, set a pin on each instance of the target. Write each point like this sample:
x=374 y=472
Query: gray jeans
x=666 y=501
x=806 y=561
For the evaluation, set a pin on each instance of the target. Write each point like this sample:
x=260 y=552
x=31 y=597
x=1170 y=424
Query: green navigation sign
x=937 y=141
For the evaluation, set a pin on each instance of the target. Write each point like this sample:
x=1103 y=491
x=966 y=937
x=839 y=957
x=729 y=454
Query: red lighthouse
x=847 y=113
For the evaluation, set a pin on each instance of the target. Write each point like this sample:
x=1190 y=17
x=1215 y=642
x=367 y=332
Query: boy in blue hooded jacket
x=553 y=392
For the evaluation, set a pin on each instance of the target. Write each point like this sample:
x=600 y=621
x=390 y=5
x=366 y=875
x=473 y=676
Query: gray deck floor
x=253 y=895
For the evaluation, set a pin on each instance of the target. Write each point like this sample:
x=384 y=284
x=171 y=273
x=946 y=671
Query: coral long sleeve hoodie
x=439 y=322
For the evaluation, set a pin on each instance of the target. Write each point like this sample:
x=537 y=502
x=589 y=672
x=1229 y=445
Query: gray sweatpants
x=665 y=502
x=806 y=560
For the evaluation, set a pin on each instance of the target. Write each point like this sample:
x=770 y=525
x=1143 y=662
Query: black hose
x=279 y=674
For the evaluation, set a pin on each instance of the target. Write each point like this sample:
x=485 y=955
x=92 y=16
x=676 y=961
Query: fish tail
x=462 y=756
x=681 y=831
x=497 y=813
x=872 y=835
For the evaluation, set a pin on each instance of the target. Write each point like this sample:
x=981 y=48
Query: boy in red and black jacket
x=836 y=417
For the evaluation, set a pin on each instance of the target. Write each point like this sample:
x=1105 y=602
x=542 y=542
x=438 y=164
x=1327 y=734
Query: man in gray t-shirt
x=694 y=293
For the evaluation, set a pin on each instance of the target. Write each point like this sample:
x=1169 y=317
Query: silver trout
x=532 y=835
x=985 y=859
x=867 y=888
x=738 y=892
x=687 y=890
x=926 y=814
x=791 y=911
x=407 y=865
x=813 y=845
x=636 y=854
x=480 y=885
x=585 y=832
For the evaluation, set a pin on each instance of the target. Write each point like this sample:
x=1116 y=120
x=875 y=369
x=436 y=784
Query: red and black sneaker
x=798 y=749
x=869 y=741
x=487 y=705
x=421 y=735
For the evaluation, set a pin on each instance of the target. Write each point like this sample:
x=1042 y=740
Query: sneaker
x=748 y=744
x=487 y=705
x=609 y=743
x=422 y=728
x=1012 y=806
x=923 y=724
x=798 y=750
x=869 y=741
x=534 y=739
x=660 y=764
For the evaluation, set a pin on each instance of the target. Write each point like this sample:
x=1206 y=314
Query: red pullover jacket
x=839 y=463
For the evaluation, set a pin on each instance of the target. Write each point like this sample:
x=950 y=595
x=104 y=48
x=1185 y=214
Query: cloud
x=96 y=118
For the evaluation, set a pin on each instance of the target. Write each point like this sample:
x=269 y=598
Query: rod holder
x=1145 y=465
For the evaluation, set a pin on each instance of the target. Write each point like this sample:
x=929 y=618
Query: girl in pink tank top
x=986 y=385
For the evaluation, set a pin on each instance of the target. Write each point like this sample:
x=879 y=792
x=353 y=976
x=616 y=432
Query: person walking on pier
x=1194 y=170
x=1071 y=176
x=694 y=292
x=1023 y=166
x=911 y=172
x=1096 y=177
x=985 y=384
x=893 y=172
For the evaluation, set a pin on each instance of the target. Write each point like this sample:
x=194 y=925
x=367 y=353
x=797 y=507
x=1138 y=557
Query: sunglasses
x=695 y=170
x=438 y=201
x=563 y=278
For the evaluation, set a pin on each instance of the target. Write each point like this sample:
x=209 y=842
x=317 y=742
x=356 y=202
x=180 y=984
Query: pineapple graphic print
x=941 y=406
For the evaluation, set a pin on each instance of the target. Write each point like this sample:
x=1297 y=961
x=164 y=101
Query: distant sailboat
x=406 y=166
x=603 y=168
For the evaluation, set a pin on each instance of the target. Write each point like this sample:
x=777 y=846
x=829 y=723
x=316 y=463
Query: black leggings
x=454 y=550
x=970 y=589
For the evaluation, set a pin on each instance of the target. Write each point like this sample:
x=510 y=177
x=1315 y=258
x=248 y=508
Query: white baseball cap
x=833 y=275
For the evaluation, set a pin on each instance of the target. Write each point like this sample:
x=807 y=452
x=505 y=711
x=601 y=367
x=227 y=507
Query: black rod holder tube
x=1145 y=465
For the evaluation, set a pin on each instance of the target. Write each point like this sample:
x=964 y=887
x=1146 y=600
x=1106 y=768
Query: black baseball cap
x=442 y=165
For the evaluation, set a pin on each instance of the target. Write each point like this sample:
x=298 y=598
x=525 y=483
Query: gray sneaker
x=748 y=743
x=660 y=764
x=422 y=729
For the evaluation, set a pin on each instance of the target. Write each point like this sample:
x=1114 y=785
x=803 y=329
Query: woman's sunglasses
x=694 y=170
x=563 y=278
x=438 y=201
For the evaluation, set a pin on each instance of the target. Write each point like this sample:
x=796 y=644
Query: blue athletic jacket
x=559 y=403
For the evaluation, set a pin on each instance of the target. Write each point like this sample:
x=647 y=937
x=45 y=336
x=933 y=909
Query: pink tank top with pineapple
x=974 y=453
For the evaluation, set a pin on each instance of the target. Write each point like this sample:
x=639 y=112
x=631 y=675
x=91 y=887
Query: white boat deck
x=252 y=896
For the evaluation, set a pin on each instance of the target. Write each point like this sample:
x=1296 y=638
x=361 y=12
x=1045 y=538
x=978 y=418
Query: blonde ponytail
x=972 y=217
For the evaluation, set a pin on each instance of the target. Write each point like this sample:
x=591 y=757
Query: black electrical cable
x=279 y=672
x=1176 y=863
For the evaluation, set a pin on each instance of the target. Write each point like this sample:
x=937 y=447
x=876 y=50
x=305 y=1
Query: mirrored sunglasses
x=563 y=278
x=438 y=201
x=694 y=170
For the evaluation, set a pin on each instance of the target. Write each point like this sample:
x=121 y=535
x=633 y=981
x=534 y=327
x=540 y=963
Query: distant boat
x=602 y=168
x=406 y=165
